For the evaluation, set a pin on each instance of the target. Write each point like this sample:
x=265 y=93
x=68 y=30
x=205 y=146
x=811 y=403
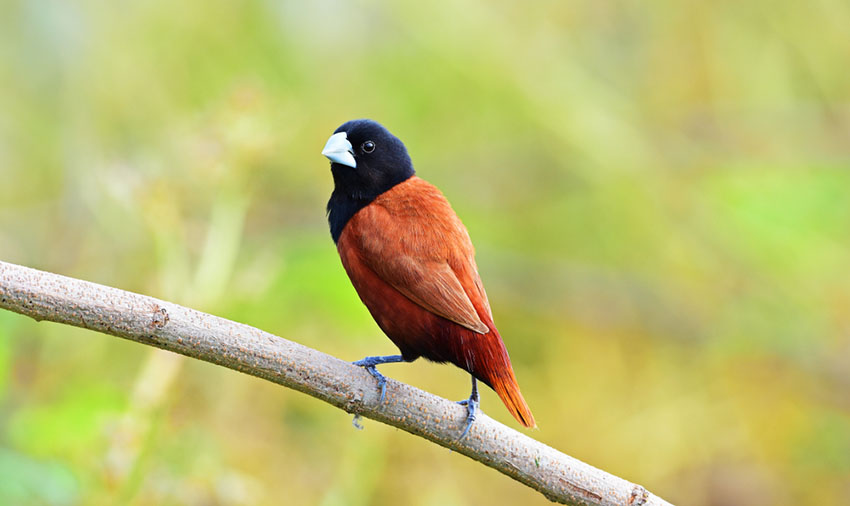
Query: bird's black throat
x=341 y=207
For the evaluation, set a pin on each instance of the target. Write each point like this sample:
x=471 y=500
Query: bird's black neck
x=341 y=207
x=354 y=190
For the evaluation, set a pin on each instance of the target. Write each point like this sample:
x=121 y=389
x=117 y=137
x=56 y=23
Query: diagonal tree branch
x=45 y=296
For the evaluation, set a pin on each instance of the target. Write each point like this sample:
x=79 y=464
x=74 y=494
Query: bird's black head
x=366 y=160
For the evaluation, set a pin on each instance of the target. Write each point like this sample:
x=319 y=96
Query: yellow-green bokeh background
x=658 y=193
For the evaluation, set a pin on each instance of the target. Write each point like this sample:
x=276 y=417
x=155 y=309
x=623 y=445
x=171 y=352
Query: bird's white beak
x=339 y=150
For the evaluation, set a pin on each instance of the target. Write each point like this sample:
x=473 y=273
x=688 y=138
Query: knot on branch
x=639 y=496
x=160 y=318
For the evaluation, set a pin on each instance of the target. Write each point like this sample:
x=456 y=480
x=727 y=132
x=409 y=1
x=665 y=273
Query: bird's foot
x=382 y=380
x=369 y=364
x=471 y=412
x=471 y=407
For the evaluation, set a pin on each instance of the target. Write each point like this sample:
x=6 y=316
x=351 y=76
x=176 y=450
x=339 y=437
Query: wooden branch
x=45 y=296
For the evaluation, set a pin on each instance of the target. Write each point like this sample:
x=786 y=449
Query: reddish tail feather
x=506 y=386
x=492 y=365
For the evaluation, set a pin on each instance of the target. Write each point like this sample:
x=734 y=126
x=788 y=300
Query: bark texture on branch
x=45 y=296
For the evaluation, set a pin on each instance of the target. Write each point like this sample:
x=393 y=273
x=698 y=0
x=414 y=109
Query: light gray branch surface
x=45 y=296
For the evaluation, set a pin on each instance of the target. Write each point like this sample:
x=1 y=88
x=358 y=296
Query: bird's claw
x=365 y=362
x=370 y=367
x=382 y=383
x=471 y=413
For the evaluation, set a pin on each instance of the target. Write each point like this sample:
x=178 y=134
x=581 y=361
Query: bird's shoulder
x=416 y=218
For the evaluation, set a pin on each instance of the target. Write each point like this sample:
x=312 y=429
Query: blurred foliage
x=657 y=192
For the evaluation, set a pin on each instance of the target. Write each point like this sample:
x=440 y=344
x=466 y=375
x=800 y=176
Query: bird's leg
x=471 y=406
x=369 y=364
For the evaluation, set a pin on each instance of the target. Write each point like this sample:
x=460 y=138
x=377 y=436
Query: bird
x=412 y=264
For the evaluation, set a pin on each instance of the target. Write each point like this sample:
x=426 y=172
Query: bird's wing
x=432 y=285
x=415 y=243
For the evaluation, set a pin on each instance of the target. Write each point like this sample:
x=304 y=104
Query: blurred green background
x=658 y=194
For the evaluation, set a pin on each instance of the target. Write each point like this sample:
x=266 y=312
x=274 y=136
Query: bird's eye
x=368 y=147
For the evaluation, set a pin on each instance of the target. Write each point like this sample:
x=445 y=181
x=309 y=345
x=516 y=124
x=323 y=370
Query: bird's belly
x=412 y=328
x=416 y=331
